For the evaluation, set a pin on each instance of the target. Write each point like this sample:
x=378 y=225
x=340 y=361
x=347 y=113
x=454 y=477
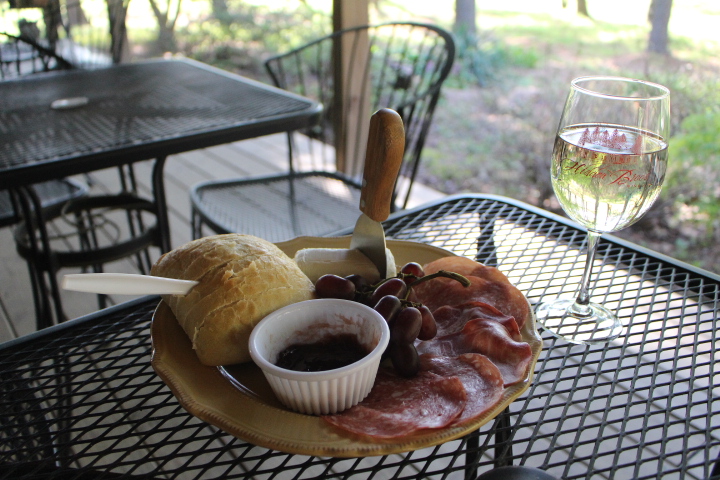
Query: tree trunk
x=221 y=12
x=166 y=24
x=465 y=18
x=117 y=13
x=53 y=21
x=582 y=8
x=659 y=16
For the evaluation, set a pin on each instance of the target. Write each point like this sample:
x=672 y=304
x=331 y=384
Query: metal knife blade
x=385 y=148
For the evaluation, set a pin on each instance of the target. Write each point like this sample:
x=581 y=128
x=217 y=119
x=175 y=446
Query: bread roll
x=242 y=279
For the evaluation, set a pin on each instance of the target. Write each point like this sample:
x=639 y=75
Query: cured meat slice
x=398 y=406
x=482 y=380
x=492 y=290
x=489 y=337
x=465 y=267
x=452 y=319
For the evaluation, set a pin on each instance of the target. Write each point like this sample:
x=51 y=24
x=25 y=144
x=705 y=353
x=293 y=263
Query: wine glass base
x=558 y=317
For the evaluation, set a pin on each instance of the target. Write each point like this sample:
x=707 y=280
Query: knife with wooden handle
x=385 y=148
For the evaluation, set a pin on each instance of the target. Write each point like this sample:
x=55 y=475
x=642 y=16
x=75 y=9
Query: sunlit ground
x=696 y=19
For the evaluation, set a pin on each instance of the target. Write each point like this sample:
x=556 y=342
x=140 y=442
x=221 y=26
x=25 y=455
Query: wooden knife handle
x=384 y=154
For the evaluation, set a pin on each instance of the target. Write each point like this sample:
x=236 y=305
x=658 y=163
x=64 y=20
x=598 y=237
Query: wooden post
x=352 y=115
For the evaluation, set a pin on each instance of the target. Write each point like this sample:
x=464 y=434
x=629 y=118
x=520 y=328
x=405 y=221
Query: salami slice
x=490 y=338
x=398 y=406
x=452 y=319
x=482 y=380
x=505 y=297
x=467 y=268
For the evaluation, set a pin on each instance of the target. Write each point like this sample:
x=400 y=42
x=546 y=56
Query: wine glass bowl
x=608 y=166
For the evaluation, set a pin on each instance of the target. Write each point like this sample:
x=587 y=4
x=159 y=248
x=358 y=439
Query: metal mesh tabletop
x=82 y=401
x=134 y=111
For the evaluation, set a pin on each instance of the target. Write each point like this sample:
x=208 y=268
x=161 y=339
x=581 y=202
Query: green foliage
x=481 y=60
x=692 y=185
x=693 y=179
x=239 y=36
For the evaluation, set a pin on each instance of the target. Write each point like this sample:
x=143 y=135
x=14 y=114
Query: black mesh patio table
x=81 y=400
x=134 y=111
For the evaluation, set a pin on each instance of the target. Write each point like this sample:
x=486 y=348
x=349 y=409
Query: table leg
x=161 y=204
x=472 y=455
x=503 y=440
x=32 y=215
x=22 y=420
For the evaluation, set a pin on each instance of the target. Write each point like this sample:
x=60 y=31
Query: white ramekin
x=331 y=391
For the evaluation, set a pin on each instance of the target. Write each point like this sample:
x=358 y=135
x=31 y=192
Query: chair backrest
x=396 y=65
x=87 y=33
x=22 y=56
x=95 y=31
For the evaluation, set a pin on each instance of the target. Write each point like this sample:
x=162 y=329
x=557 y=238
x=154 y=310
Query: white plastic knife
x=126 y=284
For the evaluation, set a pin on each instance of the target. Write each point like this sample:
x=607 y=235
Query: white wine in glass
x=608 y=166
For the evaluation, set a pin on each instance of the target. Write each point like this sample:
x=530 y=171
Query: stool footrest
x=85 y=254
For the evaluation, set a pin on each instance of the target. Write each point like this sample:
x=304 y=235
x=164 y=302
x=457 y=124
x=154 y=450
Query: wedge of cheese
x=316 y=262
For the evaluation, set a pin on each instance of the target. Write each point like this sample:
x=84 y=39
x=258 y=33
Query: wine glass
x=608 y=165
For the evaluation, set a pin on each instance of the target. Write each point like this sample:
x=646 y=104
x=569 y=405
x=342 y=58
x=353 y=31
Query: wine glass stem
x=583 y=299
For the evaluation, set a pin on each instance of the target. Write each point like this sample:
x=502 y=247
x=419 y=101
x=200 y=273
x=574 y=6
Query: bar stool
x=53 y=194
x=85 y=232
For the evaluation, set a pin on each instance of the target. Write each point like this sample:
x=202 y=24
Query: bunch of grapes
x=394 y=299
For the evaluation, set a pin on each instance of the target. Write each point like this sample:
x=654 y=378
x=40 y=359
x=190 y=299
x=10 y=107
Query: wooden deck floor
x=259 y=156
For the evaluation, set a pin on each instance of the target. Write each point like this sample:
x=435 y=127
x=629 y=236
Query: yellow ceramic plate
x=238 y=400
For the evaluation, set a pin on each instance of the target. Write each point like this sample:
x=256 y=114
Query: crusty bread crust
x=242 y=279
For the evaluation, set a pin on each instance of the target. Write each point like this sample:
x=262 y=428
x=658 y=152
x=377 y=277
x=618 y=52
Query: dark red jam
x=330 y=353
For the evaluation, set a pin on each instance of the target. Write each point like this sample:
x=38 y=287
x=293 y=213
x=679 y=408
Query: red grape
x=393 y=286
x=413 y=268
x=334 y=286
x=411 y=272
x=388 y=306
x=406 y=326
x=359 y=281
x=428 y=329
x=405 y=359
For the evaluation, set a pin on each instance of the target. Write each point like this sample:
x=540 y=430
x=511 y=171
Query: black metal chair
x=398 y=65
x=87 y=33
x=93 y=38
x=20 y=56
